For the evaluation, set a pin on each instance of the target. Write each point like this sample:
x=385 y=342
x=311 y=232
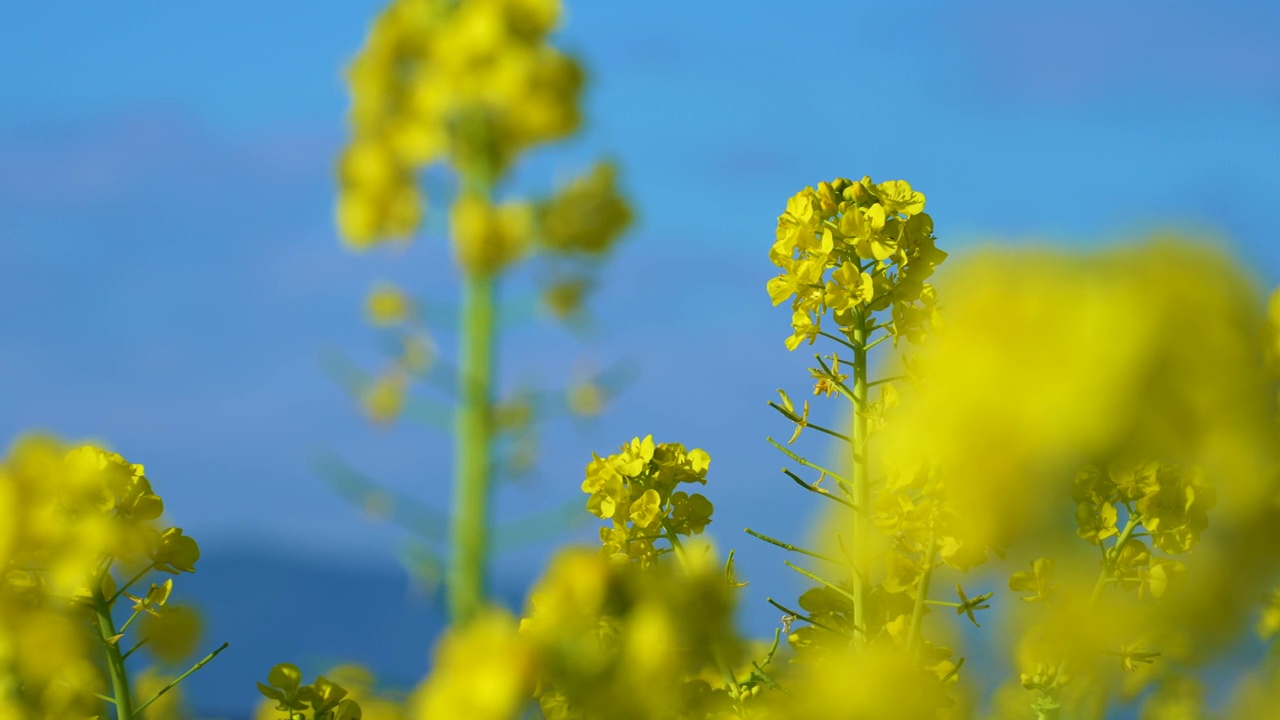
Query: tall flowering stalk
x=473 y=85
x=855 y=256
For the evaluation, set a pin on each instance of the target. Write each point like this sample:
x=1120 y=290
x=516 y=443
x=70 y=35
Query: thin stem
x=802 y=616
x=183 y=676
x=789 y=546
x=819 y=490
x=922 y=595
x=133 y=649
x=877 y=341
x=882 y=381
x=115 y=662
x=838 y=339
x=129 y=622
x=818 y=578
x=129 y=584
x=794 y=418
x=861 y=473
x=787 y=451
x=1110 y=559
x=674 y=539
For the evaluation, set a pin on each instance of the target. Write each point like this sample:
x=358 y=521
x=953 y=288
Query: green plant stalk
x=1109 y=564
x=173 y=683
x=861 y=481
x=115 y=663
x=922 y=596
x=1108 y=571
x=469 y=547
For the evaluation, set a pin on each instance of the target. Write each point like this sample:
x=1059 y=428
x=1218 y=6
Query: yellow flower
x=898 y=197
x=486 y=239
x=849 y=287
x=646 y=508
x=806 y=329
x=384 y=399
x=387 y=305
x=175 y=552
x=585 y=216
x=484 y=670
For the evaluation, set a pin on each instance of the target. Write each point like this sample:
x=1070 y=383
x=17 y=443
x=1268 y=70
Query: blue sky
x=169 y=274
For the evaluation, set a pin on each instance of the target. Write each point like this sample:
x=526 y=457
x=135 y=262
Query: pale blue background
x=169 y=273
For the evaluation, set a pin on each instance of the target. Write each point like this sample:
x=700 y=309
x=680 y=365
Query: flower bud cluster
x=620 y=640
x=67 y=516
x=320 y=700
x=472 y=82
x=1170 y=502
x=636 y=490
x=876 y=241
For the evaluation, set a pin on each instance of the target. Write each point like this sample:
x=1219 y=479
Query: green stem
x=838 y=339
x=123 y=588
x=674 y=539
x=115 y=663
x=796 y=419
x=129 y=622
x=819 y=490
x=861 y=477
x=801 y=616
x=1109 y=563
x=818 y=578
x=922 y=595
x=841 y=480
x=789 y=546
x=183 y=676
x=473 y=434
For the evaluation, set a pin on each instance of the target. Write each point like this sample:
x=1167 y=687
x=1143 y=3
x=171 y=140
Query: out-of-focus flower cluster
x=878 y=244
x=1142 y=366
x=72 y=521
x=603 y=639
x=323 y=699
x=636 y=490
x=473 y=82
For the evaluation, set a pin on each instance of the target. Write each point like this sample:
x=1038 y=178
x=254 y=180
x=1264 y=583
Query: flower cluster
x=72 y=521
x=320 y=700
x=576 y=226
x=586 y=215
x=878 y=244
x=474 y=82
x=621 y=640
x=636 y=489
x=1170 y=503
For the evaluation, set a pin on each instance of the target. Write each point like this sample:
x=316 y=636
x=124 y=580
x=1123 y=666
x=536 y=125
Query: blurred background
x=170 y=277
